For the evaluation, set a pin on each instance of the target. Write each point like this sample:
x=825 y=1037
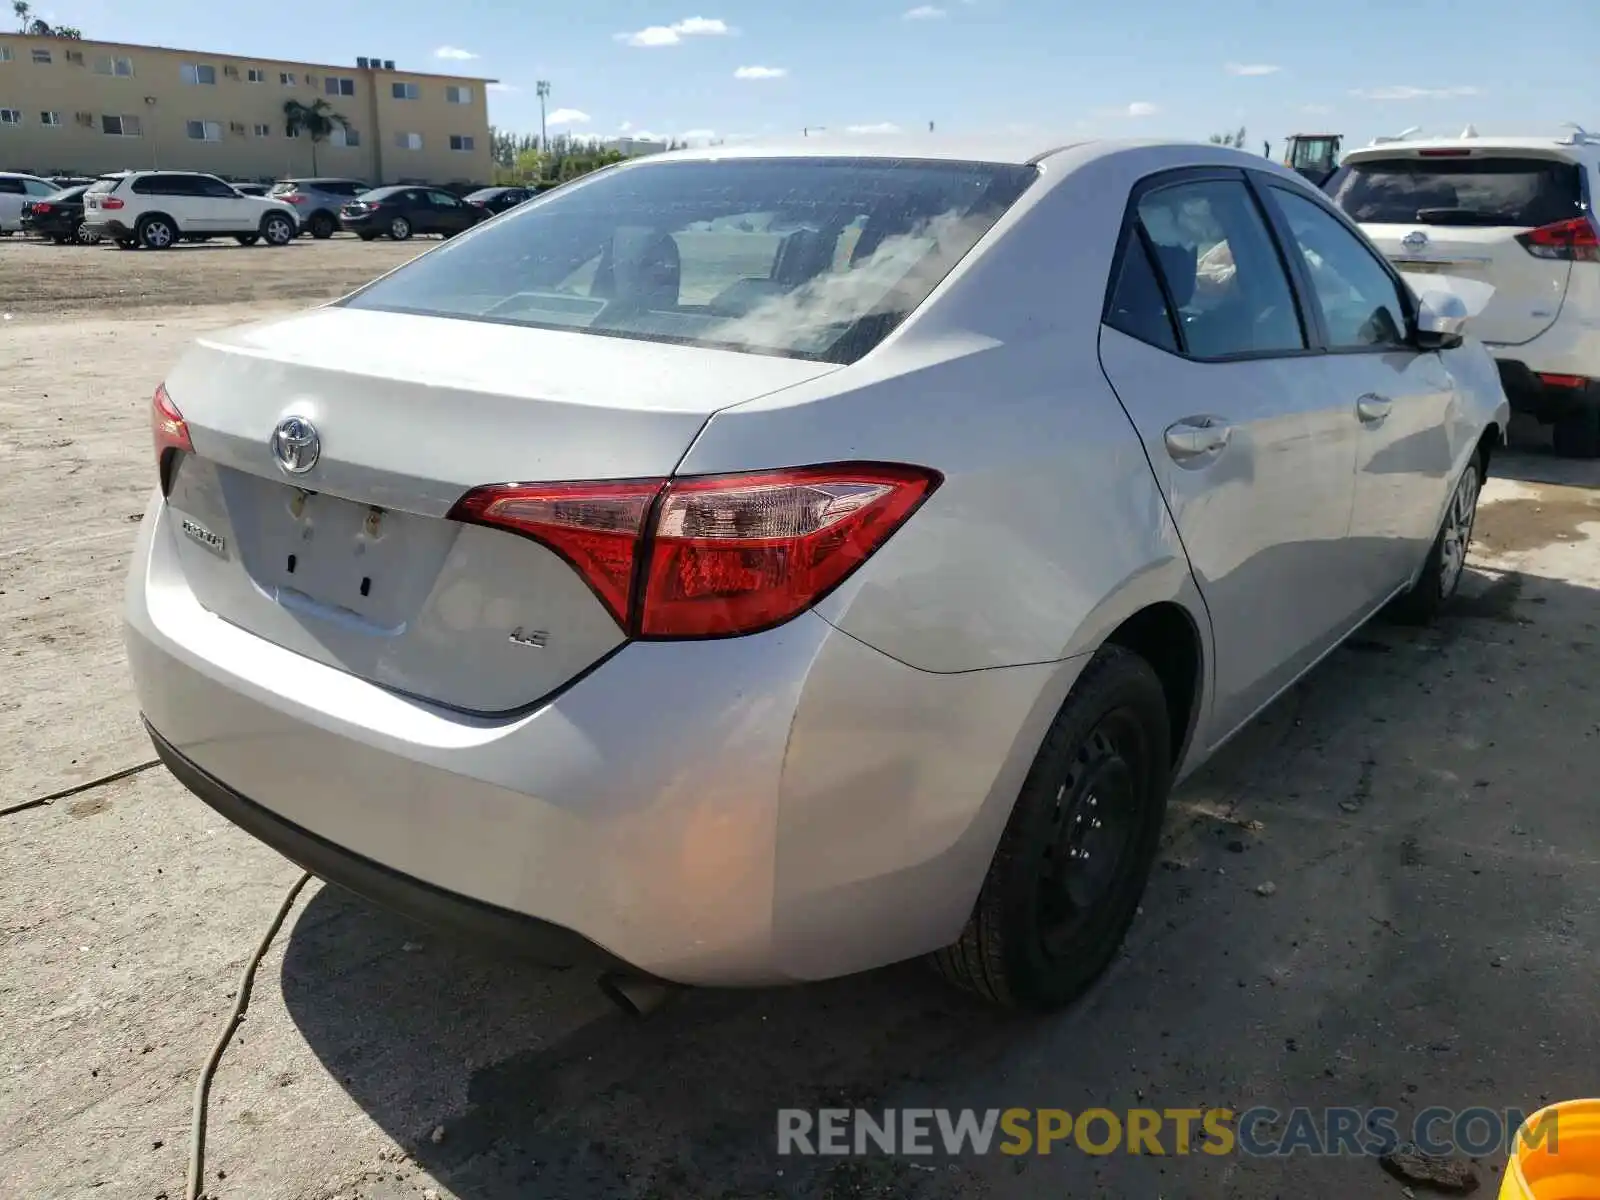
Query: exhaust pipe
x=635 y=995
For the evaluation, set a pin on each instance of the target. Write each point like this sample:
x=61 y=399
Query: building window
x=408 y=141
x=113 y=64
x=286 y=78
x=344 y=137
x=457 y=95
x=335 y=85
x=198 y=73
x=52 y=119
x=41 y=56
x=126 y=125
x=204 y=131
x=10 y=116
x=262 y=130
x=460 y=141
x=5 y=53
x=255 y=75
x=405 y=91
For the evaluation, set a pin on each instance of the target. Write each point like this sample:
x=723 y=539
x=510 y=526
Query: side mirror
x=1441 y=320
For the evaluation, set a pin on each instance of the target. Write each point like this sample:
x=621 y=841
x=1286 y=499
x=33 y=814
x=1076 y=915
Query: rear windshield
x=1524 y=192
x=807 y=258
x=101 y=186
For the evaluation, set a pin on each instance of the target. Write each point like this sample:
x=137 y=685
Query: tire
x=367 y=237
x=156 y=233
x=321 y=226
x=85 y=236
x=400 y=229
x=1098 y=785
x=1447 y=558
x=247 y=239
x=60 y=239
x=127 y=244
x=1577 y=435
x=278 y=230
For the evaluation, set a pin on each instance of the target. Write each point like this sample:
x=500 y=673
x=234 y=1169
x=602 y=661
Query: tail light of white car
x=716 y=556
x=1575 y=240
x=171 y=432
x=111 y=202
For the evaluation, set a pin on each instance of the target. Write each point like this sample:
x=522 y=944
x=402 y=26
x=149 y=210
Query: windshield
x=809 y=258
x=1525 y=192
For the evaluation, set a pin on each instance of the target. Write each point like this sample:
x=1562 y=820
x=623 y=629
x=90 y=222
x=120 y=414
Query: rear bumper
x=787 y=806
x=109 y=226
x=1530 y=394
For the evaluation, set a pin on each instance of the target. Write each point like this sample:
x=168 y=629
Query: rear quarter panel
x=1049 y=529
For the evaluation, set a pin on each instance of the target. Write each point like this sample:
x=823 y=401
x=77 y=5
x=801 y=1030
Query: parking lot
x=1421 y=805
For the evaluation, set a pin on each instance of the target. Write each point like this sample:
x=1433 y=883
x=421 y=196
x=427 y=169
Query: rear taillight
x=170 y=429
x=1576 y=240
x=38 y=206
x=715 y=556
x=1447 y=152
x=111 y=202
x=1563 y=381
x=293 y=198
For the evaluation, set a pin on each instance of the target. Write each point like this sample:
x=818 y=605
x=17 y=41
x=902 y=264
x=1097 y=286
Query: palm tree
x=316 y=120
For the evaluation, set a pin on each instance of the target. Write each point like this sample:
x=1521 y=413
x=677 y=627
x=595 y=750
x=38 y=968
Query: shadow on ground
x=1420 y=805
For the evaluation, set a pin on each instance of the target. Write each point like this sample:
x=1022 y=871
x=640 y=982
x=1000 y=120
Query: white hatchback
x=155 y=210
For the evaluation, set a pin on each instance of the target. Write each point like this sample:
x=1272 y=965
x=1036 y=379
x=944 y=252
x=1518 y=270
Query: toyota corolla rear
x=423 y=601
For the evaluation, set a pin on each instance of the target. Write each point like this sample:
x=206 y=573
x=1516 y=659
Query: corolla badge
x=296 y=445
x=1414 y=241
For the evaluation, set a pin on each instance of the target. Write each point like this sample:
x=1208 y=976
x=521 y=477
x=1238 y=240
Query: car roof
x=1577 y=149
x=1015 y=149
x=22 y=175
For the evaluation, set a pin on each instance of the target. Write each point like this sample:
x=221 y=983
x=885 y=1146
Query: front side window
x=216 y=188
x=810 y=258
x=1361 y=306
x=1459 y=188
x=1222 y=270
x=197 y=73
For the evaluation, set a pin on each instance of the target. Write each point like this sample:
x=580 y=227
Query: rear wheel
x=1075 y=856
x=400 y=229
x=86 y=236
x=1577 y=435
x=1447 y=560
x=156 y=233
x=321 y=226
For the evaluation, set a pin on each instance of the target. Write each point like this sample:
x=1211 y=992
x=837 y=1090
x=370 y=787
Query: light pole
x=543 y=88
x=806 y=132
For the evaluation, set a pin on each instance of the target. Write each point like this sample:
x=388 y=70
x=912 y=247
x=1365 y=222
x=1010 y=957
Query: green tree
x=316 y=120
x=39 y=27
x=1235 y=139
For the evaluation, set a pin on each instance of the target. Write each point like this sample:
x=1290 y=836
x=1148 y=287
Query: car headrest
x=640 y=266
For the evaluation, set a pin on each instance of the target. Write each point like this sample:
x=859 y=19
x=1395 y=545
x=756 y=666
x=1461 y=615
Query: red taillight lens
x=716 y=556
x=1563 y=381
x=111 y=202
x=170 y=429
x=38 y=206
x=293 y=198
x=1576 y=240
x=595 y=526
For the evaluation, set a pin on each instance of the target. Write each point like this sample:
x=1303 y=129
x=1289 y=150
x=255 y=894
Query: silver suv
x=318 y=201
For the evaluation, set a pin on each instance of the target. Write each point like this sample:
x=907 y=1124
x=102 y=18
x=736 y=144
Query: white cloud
x=924 y=12
x=1252 y=69
x=454 y=52
x=879 y=127
x=698 y=135
x=761 y=72
x=1141 y=108
x=501 y=87
x=672 y=35
x=1406 y=92
x=568 y=116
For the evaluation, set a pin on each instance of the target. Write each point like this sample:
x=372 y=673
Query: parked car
x=400 y=211
x=318 y=200
x=1515 y=213
x=156 y=209
x=498 y=199
x=59 y=217
x=863 y=589
x=16 y=190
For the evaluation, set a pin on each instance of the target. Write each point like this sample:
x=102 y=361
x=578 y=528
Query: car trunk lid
x=1464 y=212
x=352 y=560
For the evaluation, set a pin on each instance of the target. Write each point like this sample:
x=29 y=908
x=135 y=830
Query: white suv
x=17 y=190
x=1517 y=213
x=157 y=209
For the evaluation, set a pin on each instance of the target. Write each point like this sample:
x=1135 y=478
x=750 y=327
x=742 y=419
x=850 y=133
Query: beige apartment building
x=84 y=108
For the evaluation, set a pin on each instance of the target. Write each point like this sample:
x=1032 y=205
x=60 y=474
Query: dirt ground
x=1422 y=805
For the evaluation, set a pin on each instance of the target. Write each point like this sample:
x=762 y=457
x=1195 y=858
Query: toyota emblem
x=1415 y=240
x=296 y=445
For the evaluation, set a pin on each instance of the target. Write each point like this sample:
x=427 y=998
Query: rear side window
x=1524 y=192
x=1138 y=307
x=101 y=187
x=1222 y=270
x=809 y=257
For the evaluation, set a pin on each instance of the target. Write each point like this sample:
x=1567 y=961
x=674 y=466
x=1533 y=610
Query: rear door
x=1401 y=399
x=1466 y=212
x=1207 y=349
x=224 y=208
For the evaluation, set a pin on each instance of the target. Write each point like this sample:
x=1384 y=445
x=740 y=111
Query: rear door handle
x=1197 y=437
x=1373 y=408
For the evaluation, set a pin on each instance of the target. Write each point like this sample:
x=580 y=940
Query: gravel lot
x=1423 y=805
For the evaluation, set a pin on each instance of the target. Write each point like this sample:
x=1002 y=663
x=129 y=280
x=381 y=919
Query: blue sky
x=1178 y=68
